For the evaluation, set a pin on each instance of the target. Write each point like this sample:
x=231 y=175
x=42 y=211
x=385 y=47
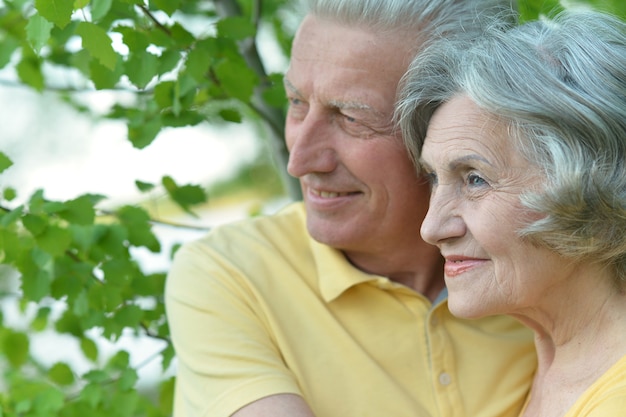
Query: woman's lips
x=457 y=265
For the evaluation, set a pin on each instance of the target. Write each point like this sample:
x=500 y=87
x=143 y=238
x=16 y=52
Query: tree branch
x=154 y=20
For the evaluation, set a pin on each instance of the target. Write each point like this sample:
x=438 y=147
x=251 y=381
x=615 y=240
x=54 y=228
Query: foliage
x=74 y=255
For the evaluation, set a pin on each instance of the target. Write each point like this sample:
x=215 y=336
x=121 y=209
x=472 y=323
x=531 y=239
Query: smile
x=327 y=194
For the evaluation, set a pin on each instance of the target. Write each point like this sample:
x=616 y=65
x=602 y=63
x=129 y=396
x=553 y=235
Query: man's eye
x=294 y=101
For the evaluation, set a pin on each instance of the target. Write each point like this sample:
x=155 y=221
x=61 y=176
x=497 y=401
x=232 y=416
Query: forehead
x=331 y=58
x=460 y=126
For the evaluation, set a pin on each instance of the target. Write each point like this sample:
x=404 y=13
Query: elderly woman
x=523 y=137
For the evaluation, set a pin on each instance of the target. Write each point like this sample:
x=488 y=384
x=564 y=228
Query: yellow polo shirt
x=259 y=308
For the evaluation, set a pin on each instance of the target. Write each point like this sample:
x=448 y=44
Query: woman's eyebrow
x=455 y=163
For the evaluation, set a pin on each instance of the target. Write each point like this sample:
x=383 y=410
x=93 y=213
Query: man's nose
x=311 y=145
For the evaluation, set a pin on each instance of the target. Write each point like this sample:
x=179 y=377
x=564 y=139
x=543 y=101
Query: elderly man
x=335 y=306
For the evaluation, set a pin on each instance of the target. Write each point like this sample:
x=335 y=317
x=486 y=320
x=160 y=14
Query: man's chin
x=328 y=232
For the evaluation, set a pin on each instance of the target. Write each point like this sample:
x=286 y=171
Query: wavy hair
x=560 y=85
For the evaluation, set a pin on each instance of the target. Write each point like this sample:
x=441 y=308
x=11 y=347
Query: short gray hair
x=417 y=19
x=560 y=85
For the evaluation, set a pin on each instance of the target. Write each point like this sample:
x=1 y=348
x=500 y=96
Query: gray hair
x=560 y=85
x=416 y=19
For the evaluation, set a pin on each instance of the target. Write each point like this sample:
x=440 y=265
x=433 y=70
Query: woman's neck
x=577 y=341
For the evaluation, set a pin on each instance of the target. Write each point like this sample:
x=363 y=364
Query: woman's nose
x=443 y=220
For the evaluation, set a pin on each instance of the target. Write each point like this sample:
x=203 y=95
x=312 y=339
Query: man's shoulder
x=285 y=227
x=290 y=218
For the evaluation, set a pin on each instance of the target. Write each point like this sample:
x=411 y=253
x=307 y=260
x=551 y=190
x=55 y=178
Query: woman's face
x=475 y=212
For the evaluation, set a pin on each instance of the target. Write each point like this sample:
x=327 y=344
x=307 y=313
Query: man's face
x=360 y=189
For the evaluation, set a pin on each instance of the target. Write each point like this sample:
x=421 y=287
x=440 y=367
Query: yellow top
x=606 y=397
x=258 y=308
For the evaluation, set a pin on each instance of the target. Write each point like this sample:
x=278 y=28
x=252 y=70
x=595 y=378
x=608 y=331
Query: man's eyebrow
x=351 y=105
x=338 y=104
x=290 y=86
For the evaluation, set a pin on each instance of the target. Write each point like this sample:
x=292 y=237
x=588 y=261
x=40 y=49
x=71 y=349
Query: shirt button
x=444 y=378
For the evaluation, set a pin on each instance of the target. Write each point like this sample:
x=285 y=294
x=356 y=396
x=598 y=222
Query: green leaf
x=124 y=404
x=15 y=346
x=48 y=402
x=11 y=217
x=8 y=46
x=5 y=162
x=118 y=272
x=186 y=195
x=103 y=77
x=137 y=222
x=9 y=193
x=36 y=201
x=98 y=43
x=38 y=31
x=93 y=392
x=150 y=285
x=69 y=323
x=89 y=348
x=141 y=68
x=129 y=316
x=135 y=40
x=168 y=355
x=60 y=373
x=40 y=322
x=100 y=8
x=237 y=80
x=58 y=12
x=79 y=210
x=230 y=115
x=54 y=240
x=96 y=376
x=168 y=61
x=237 y=28
x=166 y=396
x=29 y=71
x=166 y=94
x=144 y=186
x=142 y=133
x=119 y=361
x=127 y=379
x=167 y=6
x=34 y=224
x=10 y=246
x=36 y=275
x=199 y=59
x=274 y=94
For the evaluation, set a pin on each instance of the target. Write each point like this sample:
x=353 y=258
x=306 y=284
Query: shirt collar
x=335 y=273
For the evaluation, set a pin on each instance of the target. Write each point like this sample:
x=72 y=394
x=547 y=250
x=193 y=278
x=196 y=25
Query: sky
x=55 y=148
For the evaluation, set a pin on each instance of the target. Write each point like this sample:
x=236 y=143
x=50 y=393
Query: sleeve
x=226 y=354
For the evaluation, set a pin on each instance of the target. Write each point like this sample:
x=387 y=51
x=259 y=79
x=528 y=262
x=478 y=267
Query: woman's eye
x=475 y=180
x=431 y=177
